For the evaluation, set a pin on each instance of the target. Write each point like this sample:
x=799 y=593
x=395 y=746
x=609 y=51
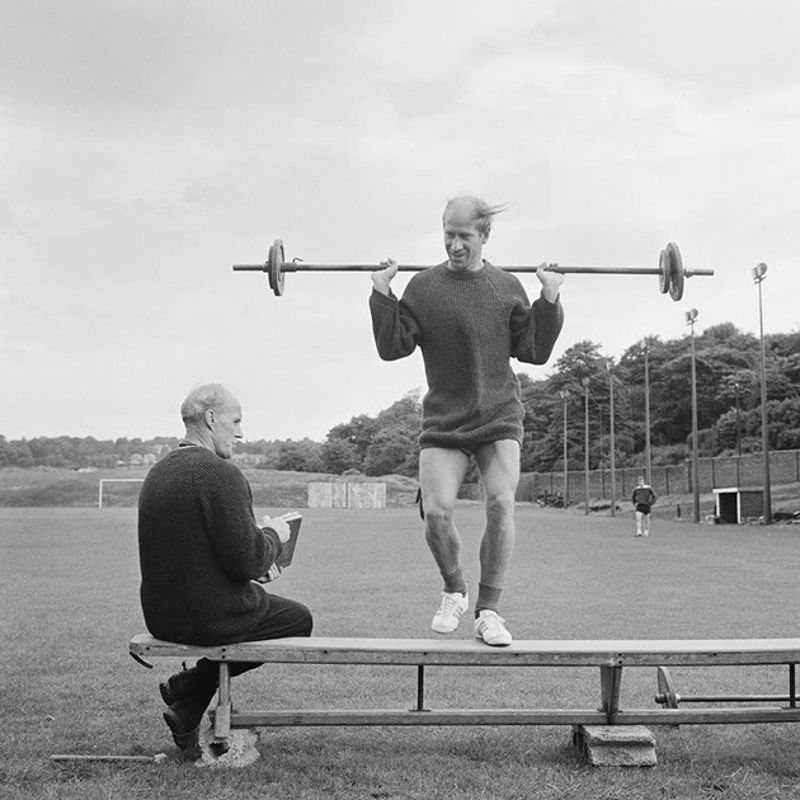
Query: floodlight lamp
x=691 y=316
x=759 y=271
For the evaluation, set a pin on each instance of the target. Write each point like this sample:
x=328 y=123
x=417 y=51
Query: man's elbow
x=392 y=349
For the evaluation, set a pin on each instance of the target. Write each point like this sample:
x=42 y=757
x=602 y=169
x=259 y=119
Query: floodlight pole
x=691 y=317
x=564 y=398
x=585 y=446
x=611 y=437
x=647 y=416
x=738 y=422
x=759 y=273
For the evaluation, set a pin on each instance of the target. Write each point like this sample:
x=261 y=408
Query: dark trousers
x=283 y=618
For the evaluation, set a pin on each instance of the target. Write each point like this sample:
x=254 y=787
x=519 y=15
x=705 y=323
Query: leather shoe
x=180 y=685
x=183 y=719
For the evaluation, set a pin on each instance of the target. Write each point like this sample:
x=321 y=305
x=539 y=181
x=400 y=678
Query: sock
x=488 y=598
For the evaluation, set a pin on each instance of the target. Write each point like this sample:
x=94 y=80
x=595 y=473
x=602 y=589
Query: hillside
x=49 y=486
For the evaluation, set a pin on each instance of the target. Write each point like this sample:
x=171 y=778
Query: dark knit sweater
x=467 y=325
x=643 y=497
x=199 y=549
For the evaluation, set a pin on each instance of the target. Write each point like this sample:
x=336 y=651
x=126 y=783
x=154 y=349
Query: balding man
x=201 y=551
x=469 y=319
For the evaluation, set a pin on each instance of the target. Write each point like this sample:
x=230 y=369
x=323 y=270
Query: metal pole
x=759 y=273
x=691 y=317
x=602 y=455
x=586 y=446
x=564 y=397
x=611 y=434
x=738 y=422
x=563 y=269
x=647 y=417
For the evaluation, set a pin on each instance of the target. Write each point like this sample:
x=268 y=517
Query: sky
x=146 y=147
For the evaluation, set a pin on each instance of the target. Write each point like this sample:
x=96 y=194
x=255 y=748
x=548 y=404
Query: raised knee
x=438 y=517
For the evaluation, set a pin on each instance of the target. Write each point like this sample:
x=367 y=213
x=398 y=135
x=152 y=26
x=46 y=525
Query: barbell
x=670 y=270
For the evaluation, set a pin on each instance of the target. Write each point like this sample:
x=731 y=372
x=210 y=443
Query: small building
x=737 y=505
x=347 y=494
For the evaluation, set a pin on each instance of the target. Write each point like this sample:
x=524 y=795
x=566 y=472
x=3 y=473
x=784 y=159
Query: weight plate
x=666 y=689
x=268 y=267
x=276 y=274
x=663 y=272
x=676 y=275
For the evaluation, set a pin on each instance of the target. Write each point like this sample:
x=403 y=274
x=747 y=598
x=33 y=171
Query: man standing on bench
x=469 y=319
x=200 y=551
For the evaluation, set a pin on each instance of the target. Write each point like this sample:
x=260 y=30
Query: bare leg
x=441 y=472
x=498 y=463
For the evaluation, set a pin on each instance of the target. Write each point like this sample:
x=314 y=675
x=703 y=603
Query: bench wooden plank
x=539 y=716
x=469 y=652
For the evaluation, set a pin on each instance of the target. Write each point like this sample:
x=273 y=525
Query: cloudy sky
x=147 y=146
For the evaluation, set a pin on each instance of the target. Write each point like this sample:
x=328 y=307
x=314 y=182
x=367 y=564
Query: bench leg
x=222 y=716
x=610 y=683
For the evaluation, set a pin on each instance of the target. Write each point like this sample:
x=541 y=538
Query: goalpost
x=104 y=481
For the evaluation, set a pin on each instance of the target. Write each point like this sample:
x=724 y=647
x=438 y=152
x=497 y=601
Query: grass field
x=68 y=593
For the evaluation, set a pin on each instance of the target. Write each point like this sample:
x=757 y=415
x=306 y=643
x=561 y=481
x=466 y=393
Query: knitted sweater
x=199 y=549
x=467 y=325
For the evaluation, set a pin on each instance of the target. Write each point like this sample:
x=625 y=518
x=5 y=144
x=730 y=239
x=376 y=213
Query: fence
x=713 y=473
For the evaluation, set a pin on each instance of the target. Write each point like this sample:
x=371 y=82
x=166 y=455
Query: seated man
x=200 y=551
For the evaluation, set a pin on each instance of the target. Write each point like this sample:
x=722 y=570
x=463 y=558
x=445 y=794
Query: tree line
x=728 y=371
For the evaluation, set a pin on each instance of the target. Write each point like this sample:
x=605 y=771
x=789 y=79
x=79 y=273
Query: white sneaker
x=490 y=627
x=449 y=614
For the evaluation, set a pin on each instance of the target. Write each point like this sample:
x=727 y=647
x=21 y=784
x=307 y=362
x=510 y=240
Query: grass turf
x=68 y=592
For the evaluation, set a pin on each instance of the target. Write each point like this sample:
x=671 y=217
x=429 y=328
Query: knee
x=500 y=505
x=438 y=518
x=305 y=621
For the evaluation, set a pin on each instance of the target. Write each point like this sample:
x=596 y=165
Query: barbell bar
x=670 y=270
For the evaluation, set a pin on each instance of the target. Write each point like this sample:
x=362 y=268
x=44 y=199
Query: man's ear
x=209 y=417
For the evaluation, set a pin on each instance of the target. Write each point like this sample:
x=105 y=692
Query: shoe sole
x=493 y=644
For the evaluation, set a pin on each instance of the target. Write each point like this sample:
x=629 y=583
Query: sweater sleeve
x=534 y=330
x=244 y=551
x=395 y=330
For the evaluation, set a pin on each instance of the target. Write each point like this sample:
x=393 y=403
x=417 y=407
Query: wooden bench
x=610 y=657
